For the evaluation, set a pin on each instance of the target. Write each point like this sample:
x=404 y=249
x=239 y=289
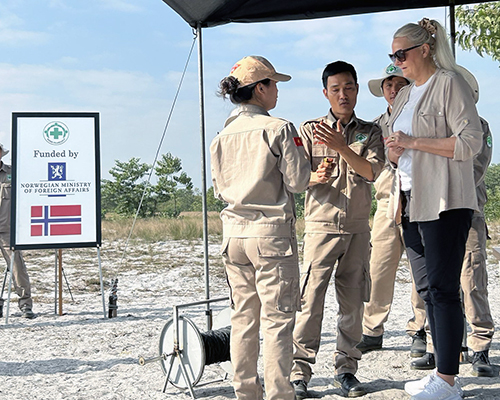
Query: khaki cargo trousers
x=20 y=276
x=263 y=275
x=474 y=283
x=351 y=253
x=387 y=249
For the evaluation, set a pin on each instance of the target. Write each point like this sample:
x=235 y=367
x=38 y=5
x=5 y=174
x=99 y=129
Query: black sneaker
x=369 y=343
x=349 y=385
x=418 y=345
x=300 y=388
x=424 y=363
x=481 y=364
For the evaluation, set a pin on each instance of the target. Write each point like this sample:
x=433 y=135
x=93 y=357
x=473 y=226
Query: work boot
x=27 y=313
x=300 y=388
x=426 y=362
x=481 y=364
x=418 y=345
x=349 y=385
x=369 y=343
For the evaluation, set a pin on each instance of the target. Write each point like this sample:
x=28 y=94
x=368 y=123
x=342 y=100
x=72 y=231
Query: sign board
x=56 y=199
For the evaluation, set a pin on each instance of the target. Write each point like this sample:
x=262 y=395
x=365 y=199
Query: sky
x=125 y=58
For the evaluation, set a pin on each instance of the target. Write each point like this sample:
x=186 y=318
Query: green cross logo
x=56 y=133
x=489 y=141
x=391 y=69
x=361 y=137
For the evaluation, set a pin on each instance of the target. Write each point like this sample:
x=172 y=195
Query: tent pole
x=453 y=33
x=203 y=175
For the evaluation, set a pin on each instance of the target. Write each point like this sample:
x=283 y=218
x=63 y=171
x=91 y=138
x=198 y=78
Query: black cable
x=217 y=348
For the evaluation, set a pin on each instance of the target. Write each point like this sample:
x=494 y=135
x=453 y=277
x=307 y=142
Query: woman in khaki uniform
x=258 y=161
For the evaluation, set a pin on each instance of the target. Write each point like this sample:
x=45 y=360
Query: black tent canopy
x=207 y=13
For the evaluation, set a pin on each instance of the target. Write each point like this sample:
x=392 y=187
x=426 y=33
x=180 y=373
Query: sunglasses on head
x=400 y=55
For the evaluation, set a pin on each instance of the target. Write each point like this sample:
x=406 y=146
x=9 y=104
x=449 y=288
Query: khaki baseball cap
x=252 y=69
x=375 y=85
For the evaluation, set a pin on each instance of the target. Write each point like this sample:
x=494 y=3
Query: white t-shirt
x=403 y=124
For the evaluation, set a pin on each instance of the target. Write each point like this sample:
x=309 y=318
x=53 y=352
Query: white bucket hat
x=375 y=85
x=471 y=80
x=4 y=150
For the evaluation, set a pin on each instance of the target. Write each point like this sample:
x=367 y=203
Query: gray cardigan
x=439 y=183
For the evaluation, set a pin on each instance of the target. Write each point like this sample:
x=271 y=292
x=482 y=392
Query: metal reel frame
x=191 y=354
x=187 y=358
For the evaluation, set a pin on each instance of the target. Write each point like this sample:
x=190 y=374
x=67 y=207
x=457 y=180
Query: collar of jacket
x=333 y=121
x=245 y=109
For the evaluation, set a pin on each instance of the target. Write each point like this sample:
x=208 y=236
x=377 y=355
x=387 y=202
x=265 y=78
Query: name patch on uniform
x=298 y=141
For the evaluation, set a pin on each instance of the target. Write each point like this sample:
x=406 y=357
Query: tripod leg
x=186 y=377
x=67 y=284
x=169 y=371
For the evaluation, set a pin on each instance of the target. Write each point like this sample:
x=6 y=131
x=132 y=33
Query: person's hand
x=399 y=140
x=331 y=137
x=394 y=147
x=324 y=170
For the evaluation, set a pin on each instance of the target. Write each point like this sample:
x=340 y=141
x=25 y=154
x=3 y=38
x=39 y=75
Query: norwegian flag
x=56 y=220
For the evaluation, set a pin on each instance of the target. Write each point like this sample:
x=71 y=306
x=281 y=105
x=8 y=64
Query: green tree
x=122 y=194
x=174 y=189
x=213 y=203
x=300 y=199
x=482 y=28
x=492 y=181
x=492 y=178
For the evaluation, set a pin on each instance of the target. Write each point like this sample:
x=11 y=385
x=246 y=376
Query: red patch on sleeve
x=298 y=141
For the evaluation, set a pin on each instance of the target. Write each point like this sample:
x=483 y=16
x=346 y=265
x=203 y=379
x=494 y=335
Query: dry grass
x=187 y=226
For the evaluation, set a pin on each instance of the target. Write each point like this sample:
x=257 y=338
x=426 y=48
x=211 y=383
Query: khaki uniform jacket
x=258 y=161
x=5 y=187
x=439 y=183
x=384 y=182
x=481 y=162
x=343 y=204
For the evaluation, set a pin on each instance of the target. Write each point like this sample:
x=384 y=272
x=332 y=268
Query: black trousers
x=436 y=251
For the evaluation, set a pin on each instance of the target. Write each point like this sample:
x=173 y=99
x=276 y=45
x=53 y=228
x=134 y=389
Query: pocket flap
x=274 y=247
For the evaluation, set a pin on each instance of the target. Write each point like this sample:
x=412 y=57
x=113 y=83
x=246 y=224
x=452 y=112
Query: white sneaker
x=415 y=387
x=438 y=389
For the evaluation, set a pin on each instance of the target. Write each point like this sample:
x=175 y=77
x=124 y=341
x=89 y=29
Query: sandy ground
x=81 y=355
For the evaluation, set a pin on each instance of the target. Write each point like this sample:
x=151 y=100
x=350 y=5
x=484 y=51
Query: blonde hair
x=431 y=32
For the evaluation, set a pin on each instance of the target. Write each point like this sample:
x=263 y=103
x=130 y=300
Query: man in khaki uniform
x=346 y=154
x=387 y=241
x=19 y=272
x=257 y=162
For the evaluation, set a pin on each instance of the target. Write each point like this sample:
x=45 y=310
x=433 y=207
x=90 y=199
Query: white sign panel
x=55 y=180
